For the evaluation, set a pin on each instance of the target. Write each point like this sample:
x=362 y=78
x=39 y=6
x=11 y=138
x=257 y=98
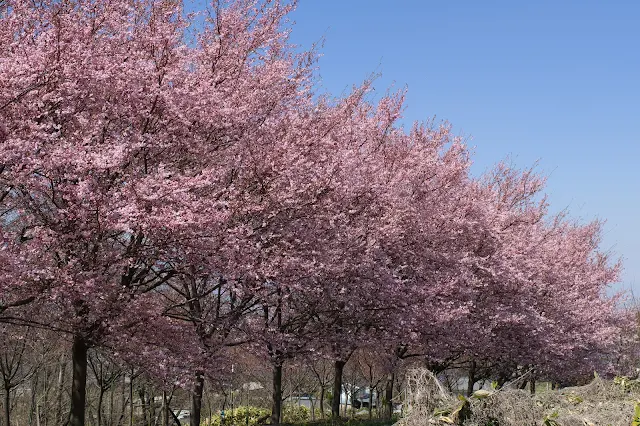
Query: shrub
x=295 y=414
x=256 y=415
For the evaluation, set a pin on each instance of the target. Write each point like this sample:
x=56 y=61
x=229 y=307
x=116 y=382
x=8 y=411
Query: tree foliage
x=170 y=188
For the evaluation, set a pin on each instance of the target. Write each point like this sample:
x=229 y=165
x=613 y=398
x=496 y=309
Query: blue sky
x=553 y=82
x=556 y=82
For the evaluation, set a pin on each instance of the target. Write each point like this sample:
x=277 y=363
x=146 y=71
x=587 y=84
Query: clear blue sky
x=554 y=81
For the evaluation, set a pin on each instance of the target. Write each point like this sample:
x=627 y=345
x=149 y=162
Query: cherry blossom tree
x=183 y=191
x=523 y=292
x=113 y=130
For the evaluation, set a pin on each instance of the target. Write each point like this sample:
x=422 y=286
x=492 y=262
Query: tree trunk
x=165 y=409
x=370 y=407
x=346 y=402
x=312 y=401
x=152 y=408
x=61 y=376
x=388 y=396
x=45 y=398
x=99 y=409
x=79 y=383
x=532 y=385
x=131 y=399
x=143 y=403
x=34 y=388
x=338 y=368
x=322 y=402
x=175 y=418
x=471 y=379
x=276 y=405
x=111 y=396
x=123 y=401
x=196 y=400
x=7 y=405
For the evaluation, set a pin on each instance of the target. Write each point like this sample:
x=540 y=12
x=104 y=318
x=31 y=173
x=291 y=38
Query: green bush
x=239 y=417
x=290 y=414
x=295 y=414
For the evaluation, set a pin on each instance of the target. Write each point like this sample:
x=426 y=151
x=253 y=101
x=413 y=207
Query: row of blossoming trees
x=171 y=188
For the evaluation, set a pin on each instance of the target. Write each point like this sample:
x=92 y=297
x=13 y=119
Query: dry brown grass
x=600 y=403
